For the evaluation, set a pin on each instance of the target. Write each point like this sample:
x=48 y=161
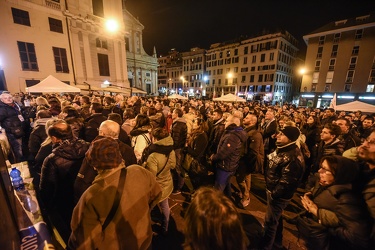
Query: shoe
x=177 y=191
x=245 y=203
x=290 y=220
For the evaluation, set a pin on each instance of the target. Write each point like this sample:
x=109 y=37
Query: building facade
x=82 y=43
x=170 y=77
x=142 y=68
x=340 y=59
x=259 y=68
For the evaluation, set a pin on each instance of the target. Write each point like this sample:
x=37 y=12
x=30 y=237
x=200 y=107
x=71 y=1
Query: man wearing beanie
x=283 y=175
x=130 y=226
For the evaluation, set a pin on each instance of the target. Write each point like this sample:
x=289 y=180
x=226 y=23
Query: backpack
x=146 y=151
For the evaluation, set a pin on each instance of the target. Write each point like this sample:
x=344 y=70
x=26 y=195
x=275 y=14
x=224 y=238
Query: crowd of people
x=101 y=163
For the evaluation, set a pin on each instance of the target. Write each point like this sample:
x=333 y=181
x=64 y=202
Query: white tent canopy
x=52 y=84
x=175 y=96
x=229 y=98
x=355 y=106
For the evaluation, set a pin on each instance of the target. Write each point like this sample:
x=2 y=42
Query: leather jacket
x=284 y=172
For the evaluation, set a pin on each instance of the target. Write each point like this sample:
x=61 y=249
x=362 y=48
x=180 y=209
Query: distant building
x=170 y=78
x=259 y=68
x=340 y=59
x=142 y=68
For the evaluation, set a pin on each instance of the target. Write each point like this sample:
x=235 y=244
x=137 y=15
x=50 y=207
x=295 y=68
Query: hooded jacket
x=179 y=133
x=217 y=131
x=37 y=136
x=130 y=227
x=161 y=160
x=59 y=172
x=229 y=149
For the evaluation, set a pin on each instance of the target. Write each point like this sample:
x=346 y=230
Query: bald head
x=232 y=119
x=109 y=128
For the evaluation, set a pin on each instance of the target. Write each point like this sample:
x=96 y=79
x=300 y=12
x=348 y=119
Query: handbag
x=193 y=166
x=315 y=234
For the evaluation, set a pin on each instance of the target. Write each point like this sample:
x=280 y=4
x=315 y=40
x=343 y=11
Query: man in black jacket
x=350 y=139
x=228 y=154
x=217 y=130
x=59 y=171
x=93 y=122
x=179 y=135
x=12 y=120
x=252 y=158
x=283 y=175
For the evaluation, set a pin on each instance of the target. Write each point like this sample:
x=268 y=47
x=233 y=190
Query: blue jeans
x=222 y=181
x=164 y=205
x=16 y=145
x=273 y=224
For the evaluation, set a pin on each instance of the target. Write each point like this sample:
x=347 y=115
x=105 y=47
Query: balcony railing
x=53 y=4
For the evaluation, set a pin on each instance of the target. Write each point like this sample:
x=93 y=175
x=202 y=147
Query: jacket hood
x=221 y=120
x=72 y=149
x=238 y=131
x=141 y=130
x=164 y=146
x=41 y=121
x=157 y=116
x=179 y=119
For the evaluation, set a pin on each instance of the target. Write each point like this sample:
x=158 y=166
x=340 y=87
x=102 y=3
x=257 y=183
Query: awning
x=138 y=91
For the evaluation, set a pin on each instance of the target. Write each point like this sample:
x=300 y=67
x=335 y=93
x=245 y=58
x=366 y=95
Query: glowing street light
x=302 y=71
x=111 y=25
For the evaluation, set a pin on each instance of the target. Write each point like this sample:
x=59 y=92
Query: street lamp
x=183 y=83
x=112 y=25
x=205 y=79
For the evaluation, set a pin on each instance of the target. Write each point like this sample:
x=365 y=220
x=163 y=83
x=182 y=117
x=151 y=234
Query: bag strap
x=164 y=165
x=147 y=139
x=116 y=202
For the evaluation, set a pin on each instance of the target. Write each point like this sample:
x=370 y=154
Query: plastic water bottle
x=17 y=180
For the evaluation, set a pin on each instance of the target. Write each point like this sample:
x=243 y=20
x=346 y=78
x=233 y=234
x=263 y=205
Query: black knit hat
x=104 y=153
x=291 y=132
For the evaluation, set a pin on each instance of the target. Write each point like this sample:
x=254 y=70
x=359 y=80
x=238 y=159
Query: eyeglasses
x=369 y=142
x=325 y=171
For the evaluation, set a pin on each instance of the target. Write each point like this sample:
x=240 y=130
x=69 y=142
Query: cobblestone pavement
x=252 y=216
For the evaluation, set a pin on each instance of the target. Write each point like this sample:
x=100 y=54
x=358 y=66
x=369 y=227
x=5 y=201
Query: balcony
x=53 y=4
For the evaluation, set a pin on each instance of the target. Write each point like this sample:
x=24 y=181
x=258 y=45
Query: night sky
x=183 y=24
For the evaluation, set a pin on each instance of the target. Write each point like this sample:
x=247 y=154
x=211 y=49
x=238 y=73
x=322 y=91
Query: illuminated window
x=329 y=77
